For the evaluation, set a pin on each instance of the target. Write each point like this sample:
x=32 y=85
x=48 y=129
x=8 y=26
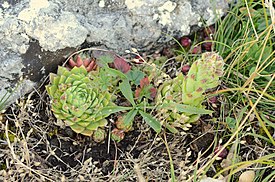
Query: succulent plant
x=76 y=98
x=82 y=60
x=117 y=135
x=204 y=74
x=120 y=123
x=188 y=90
x=99 y=135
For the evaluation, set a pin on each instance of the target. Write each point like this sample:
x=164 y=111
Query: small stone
x=247 y=176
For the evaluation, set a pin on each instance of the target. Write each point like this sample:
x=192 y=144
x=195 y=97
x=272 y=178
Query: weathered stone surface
x=36 y=34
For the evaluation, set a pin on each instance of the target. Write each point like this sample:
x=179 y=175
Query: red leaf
x=72 y=63
x=91 y=66
x=145 y=88
x=137 y=92
x=153 y=92
x=86 y=62
x=121 y=65
x=144 y=82
x=79 y=61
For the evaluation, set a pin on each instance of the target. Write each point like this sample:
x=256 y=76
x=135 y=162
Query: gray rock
x=36 y=35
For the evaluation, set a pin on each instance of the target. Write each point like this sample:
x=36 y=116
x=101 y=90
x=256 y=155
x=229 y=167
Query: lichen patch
x=168 y=6
x=132 y=4
x=164 y=15
x=101 y=3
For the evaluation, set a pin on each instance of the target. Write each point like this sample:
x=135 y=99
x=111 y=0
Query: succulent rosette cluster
x=185 y=93
x=76 y=98
x=80 y=95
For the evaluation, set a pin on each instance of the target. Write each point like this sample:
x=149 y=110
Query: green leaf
x=112 y=109
x=185 y=108
x=125 y=89
x=130 y=117
x=135 y=76
x=4 y=99
x=51 y=90
x=53 y=77
x=62 y=71
x=252 y=70
x=171 y=128
x=251 y=54
x=231 y=122
x=79 y=70
x=267 y=52
x=104 y=60
x=151 y=121
x=116 y=73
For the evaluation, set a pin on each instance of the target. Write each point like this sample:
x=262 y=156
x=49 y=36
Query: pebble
x=247 y=176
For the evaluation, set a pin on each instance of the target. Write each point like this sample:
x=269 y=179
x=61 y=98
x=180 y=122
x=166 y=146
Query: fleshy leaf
x=153 y=92
x=87 y=132
x=79 y=70
x=62 y=71
x=51 y=90
x=77 y=128
x=95 y=125
x=52 y=77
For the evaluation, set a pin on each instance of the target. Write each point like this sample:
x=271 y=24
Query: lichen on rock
x=53 y=29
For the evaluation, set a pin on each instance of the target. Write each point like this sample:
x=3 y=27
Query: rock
x=35 y=35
